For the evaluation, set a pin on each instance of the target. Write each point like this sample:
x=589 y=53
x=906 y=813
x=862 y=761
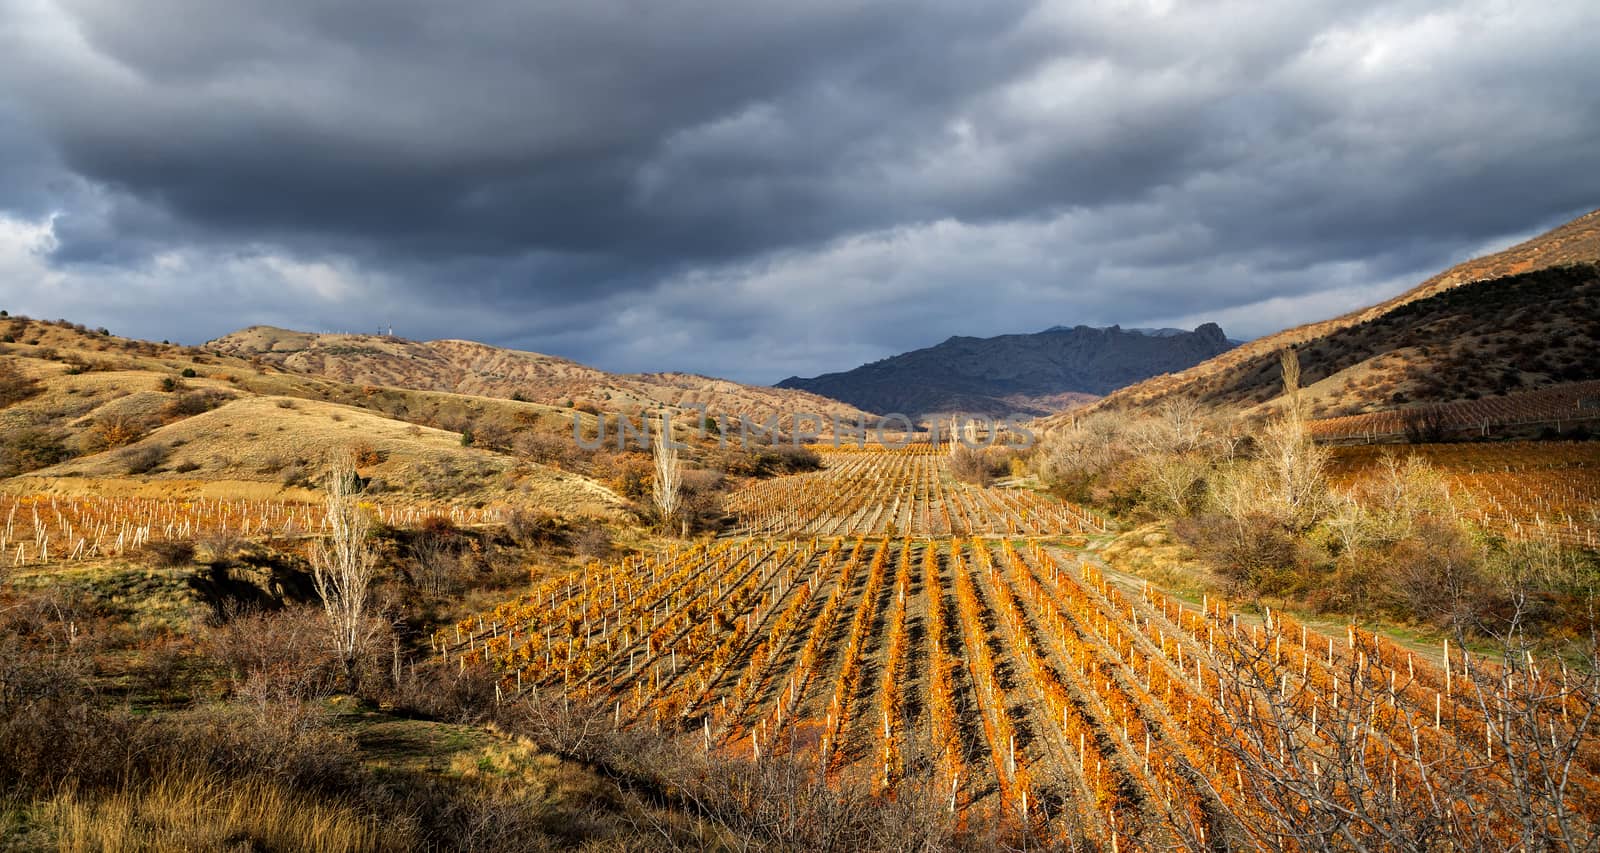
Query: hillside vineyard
x=892 y=492
x=33 y=528
x=1009 y=679
x=1547 y=491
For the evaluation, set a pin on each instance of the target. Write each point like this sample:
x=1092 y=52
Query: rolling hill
x=1035 y=374
x=470 y=368
x=86 y=412
x=1517 y=320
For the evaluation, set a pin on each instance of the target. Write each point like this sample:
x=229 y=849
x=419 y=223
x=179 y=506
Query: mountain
x=1521 y=319
x=467 y=367
x=1167 y=332
x=1028 y=374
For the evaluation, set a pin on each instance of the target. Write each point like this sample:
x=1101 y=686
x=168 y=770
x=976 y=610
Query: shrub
x=366 y=455
x=272 y=464
x=16 y=386
x=540 y=527
x=1435 y=574
x=632 y=476
x=276 y=655
x=170 y=554
x=30 y=449
x=188 y=373
x=1254 y=556
x=113 y=431
x=435 y=525
x=299 y=474
x=971 y=465
x=192 y=403
x=593 y=542
x=143 y=459
x=543 y=448
x=769 y=461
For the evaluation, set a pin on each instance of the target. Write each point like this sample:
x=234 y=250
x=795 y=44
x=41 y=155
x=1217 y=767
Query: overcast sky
x=756 y=189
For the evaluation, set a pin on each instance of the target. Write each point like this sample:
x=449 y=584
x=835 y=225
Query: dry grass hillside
x=85 y=411
x=1517 y=319
x=465 y=367
x=285 y=443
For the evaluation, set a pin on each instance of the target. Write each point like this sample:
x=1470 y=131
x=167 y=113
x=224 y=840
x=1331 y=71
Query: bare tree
x=1174 y=483
x=668 y=480
x=436 y=559
x=1289 y=362
x=1292 y=465
x=342 y=565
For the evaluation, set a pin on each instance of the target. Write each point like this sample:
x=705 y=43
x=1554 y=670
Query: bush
x=785 y=801
x=632 y=476
x=15 y=386
x=435 y=525
x=531 y=528
x=771 y=461
x=143 y=459
x=277 y=655
x=971 y=465
x=1253 y=556
x=113 y=431
x=365 y=455
x=593 y=541
x=170 y=554
x=543 y=448
x=449 y=693
x=30 y=449
x=192 y=403
x=189 y=373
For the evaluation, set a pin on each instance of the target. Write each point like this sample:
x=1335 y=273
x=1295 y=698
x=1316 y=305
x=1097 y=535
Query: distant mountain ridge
x=1167 y=332
x=1034 y=374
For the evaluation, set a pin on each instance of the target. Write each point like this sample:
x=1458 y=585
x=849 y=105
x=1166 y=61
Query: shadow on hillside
x=252 y=582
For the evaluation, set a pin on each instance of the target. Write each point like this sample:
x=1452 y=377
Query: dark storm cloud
x=573 y=128
x=758 y=189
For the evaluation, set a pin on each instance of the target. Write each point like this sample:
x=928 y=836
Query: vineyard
x=1011 y=681
x=904 y=492
x=898 y=630
x=36 y=529
x=1561 y=406
x=1544 y=490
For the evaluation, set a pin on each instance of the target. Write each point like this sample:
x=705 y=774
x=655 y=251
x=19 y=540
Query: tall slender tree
x=668 y=480
x=342 y=566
